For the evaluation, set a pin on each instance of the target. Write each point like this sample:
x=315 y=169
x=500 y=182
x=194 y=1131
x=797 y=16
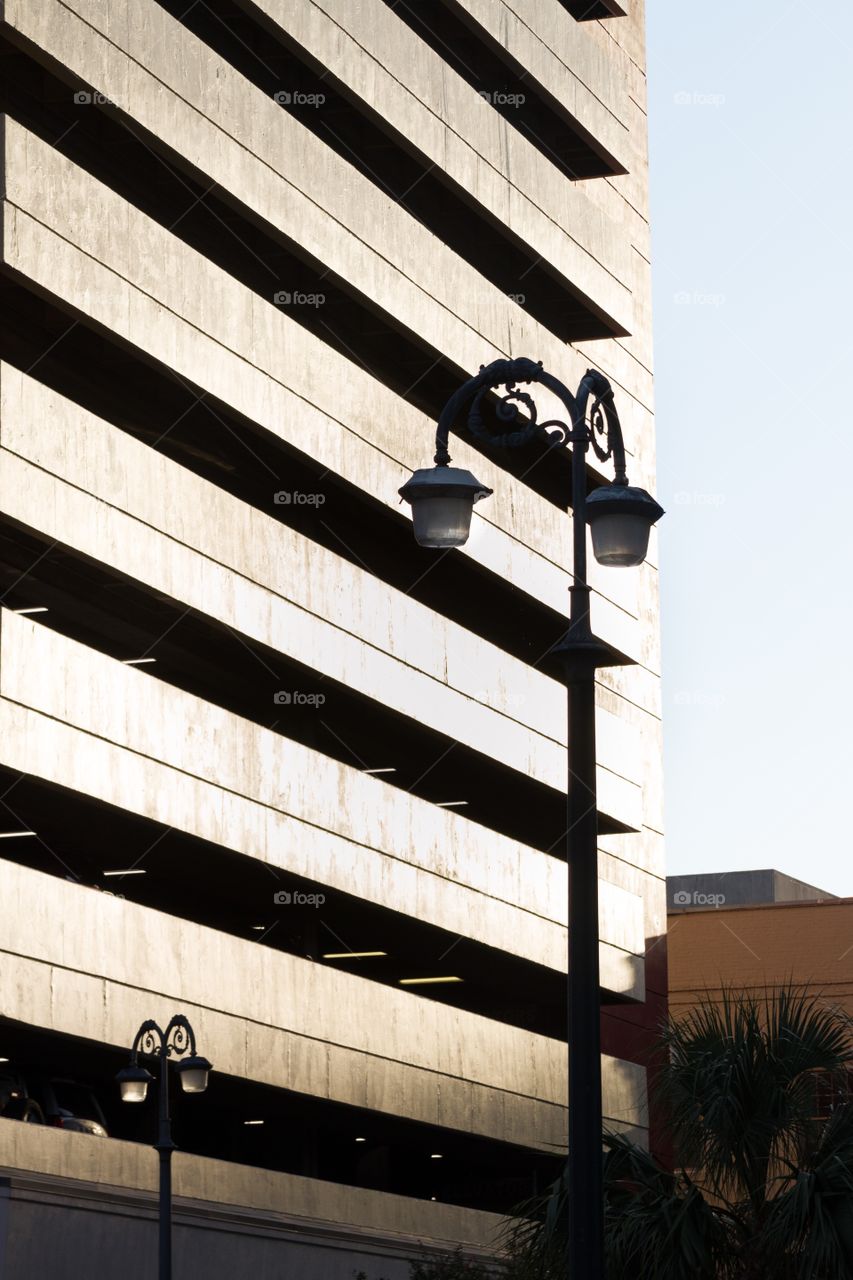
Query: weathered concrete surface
x=116 y=733
x=442 y=117
x=82 y=246
x=560 y=58
x=271 y=164
x=94 y=966
x=161 y=524
x=128 y=273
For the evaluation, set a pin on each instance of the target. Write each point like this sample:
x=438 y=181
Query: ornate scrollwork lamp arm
x=152 y=1041
x=148 y=1040
x=506 y=373
x=577 y=432
x=604 y=421
x=179 y=1037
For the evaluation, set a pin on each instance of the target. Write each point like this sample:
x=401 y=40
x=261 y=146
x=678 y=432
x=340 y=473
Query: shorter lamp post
x=133 y=1081
x=619 y=517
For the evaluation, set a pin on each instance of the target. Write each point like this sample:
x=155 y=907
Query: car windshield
x=76 y=1099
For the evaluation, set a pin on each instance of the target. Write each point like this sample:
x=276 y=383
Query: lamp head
x=133 y=1083
x=620 y=519
x=442 y=500
x=193 y=1072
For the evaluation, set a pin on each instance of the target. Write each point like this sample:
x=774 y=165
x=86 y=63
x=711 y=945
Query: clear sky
x=751 y=113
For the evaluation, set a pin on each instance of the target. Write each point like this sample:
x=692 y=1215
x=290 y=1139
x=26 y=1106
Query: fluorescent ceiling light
x=421 y=982
x=136 y=662
x=10 y=835
x=257 y=928
x=128 y=871
x=389 y=770
x=35 y=608
x=357 y=1139
x=436 y=1155
x=6 y=1060
x=352 y=955
x=450 y=804
x=253 y=1122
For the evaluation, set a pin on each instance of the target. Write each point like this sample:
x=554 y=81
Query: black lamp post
x=133 y=1082
x=620 y=518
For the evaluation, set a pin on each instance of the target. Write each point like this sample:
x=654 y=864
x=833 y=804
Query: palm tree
x=762 y=1187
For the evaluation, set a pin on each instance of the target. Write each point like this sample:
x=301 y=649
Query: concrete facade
x=198 y=492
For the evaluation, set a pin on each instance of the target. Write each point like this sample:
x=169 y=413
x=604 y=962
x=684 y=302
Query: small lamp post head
x=193 y=1072
x=133 y=1083
x=620 y=518
x=442 y=500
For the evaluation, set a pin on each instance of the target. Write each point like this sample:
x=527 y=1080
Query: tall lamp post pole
x=620 y=517
x=177 y=1040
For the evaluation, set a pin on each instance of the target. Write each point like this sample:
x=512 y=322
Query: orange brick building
x=751 y=946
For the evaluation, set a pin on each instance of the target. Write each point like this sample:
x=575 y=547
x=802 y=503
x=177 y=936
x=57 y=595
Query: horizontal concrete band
x=560 y=59
x=128 y=506
x=91 y=965
x=44 y=1164
x=115 y=733
x=51 y=263
x=337 y=413
x=272 y=165
x=388 y=67
x=495 y=165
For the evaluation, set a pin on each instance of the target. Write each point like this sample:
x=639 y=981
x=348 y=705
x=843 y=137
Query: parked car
x=15 y=1102
x=67 y=1104
x=34 y=1095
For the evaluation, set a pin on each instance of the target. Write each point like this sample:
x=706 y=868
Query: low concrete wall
x=74 y=1206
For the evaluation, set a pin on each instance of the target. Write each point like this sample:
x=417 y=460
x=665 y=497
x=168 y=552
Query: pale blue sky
x=751 y=108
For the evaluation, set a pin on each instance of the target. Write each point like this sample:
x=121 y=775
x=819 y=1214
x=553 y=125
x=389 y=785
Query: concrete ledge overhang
x=87 y=485
x=82 y=720
x=129 y=275
x=90 y=965
x=275 y=167
x=399 y=78
x=572 y=70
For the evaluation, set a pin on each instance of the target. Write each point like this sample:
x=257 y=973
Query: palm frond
x=658 y=1223
x=764 y=1188
x=738 y=1082
x=813 y=1218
